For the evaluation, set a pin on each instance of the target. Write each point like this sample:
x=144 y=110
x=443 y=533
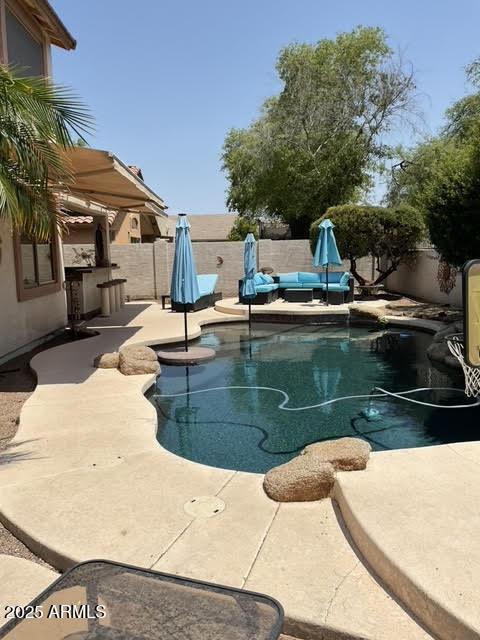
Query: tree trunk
x=353 y=270
x=384 y=274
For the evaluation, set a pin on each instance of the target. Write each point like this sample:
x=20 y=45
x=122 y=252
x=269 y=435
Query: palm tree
x=37 y=122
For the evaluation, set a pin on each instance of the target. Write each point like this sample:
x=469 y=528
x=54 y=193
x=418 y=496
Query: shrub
x=390 y=234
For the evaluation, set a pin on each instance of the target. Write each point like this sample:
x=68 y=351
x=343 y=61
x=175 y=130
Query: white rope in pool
x=383 y=393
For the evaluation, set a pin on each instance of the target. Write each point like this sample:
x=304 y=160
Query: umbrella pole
x=326 y=297
x=249 y=315
x=185 y=326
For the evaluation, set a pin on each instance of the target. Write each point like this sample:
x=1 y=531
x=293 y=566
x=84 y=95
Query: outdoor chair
x=208 y=296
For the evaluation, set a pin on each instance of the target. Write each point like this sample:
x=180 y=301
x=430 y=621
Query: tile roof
x=136 y=170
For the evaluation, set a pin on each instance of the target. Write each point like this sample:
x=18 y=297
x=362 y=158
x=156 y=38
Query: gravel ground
x=17 y=382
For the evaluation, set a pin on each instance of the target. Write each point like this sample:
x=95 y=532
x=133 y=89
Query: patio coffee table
x=108 y=600
x=298 y=295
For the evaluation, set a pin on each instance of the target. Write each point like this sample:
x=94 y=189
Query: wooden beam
x=131 y=206
x=74 y=189
x=94 y=172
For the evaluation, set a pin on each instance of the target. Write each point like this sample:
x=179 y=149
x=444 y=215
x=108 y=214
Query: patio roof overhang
x=46 y=16
x=100 y=177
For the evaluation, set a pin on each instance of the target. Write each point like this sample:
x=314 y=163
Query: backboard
x=471 y=311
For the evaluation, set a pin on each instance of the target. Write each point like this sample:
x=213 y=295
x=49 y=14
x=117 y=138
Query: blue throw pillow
x=268 y=279
x=345 y=279
x=258 y=278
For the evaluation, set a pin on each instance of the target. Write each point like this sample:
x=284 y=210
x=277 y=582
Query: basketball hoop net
x=472 y=374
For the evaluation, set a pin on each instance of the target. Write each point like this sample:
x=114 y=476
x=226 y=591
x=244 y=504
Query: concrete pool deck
x=85 y=478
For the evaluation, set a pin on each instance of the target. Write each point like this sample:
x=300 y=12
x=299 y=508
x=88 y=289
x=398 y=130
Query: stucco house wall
x=25 y=324
x=419 y=279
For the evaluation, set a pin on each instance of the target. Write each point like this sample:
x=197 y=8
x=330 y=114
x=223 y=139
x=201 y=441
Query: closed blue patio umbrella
x=250 y=268
x=326 y=252
x=184 y=288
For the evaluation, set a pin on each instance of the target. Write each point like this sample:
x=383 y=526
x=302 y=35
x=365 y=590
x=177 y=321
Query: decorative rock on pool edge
x=107 y=360
x=194 y=355
x=439 y=352
x=311 y=475
x=138 y=360
x=130 y=361
x=300 y=480
x=345 y=454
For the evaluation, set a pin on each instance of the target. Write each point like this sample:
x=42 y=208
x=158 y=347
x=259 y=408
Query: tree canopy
x=241 y=227
x=441 y=177
x=388 y=234
x=37 y=122
x=316 y=142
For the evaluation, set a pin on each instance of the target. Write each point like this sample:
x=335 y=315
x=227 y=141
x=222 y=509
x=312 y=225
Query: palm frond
x=38 y=122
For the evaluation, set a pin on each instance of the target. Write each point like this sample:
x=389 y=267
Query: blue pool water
x=245 y=429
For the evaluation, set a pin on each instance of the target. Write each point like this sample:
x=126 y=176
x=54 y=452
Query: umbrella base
x=194 y=355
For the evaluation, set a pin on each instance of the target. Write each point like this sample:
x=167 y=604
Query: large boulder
x=402 y=303
x=138 y=360
x=344 y=454
x=107 y=360
x=438 y=351
x=367 y=311
x=302 y=479
x=139 y=353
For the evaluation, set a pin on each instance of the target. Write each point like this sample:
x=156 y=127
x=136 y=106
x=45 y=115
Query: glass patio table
x=102 y=599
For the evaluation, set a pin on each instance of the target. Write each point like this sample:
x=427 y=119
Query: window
x=37 y=263
x=22 y=48
x=134 y=223
x=35 y=267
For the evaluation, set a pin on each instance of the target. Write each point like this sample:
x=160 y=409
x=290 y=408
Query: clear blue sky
x=166 y=79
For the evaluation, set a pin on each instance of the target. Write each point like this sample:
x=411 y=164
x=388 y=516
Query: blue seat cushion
x=288 y=279
x=305 y=277
x=206 y=283
x=312 y=285
x=267 y=279
x=264 y=288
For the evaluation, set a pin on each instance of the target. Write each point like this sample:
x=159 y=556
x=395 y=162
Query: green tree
x=441 y=177
x=388 y=234
x=241 y=227
x=317 y=142
x=37 y=122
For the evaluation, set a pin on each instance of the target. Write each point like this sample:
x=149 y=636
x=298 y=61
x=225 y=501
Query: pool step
x=308 y=564
x=414 y=516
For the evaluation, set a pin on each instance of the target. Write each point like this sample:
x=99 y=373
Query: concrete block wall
x=148 y=267
x=223 y=258
x=136 y=262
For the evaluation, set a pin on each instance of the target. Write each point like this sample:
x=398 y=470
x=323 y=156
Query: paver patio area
x=86 y=478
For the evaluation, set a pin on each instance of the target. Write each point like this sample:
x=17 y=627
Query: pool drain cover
x=204 y=506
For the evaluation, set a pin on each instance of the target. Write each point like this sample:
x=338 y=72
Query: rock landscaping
x=107 y=360
x=311 y=475
x=302 y=479
x=130 y=361
x=344 y=454
x=439 y=352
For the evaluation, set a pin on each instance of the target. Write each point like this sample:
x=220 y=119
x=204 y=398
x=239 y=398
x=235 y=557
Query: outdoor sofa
x=208 y=297
x=338 y=282
x=269 y=288
x=265 y=287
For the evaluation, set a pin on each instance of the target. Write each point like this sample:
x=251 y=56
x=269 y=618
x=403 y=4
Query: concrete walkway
x=85 y=478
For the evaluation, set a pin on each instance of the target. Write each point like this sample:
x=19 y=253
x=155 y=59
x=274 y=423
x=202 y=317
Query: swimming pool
x=204 y=416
